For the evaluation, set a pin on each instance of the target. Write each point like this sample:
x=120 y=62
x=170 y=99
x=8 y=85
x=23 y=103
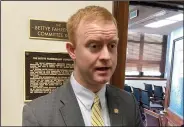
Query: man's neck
x=92 y=87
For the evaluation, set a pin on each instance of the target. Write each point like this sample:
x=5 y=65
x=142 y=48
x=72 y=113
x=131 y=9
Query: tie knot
x=97 y=99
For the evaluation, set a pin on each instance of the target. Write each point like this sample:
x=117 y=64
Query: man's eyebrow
x=90 y=41
x=114 y=41
x=93 y=41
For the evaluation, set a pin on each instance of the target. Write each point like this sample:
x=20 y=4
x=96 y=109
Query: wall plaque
x=51 y=30
x=44 y=72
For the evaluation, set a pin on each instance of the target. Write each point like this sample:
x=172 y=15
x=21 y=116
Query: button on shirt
x=85 y=100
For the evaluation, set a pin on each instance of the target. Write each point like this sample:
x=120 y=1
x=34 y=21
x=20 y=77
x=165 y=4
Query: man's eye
x=94 y=46
x=112 y=45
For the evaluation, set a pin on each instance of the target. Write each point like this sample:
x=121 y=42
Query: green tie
x=96 y=116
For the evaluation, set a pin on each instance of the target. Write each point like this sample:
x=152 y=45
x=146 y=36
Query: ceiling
x=146 y=15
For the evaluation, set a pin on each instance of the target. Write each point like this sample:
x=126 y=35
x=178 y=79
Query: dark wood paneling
x=121 y=13
x=141 y=53
x=164 y=48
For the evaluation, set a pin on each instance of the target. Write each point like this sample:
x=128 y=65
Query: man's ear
x=71 y=50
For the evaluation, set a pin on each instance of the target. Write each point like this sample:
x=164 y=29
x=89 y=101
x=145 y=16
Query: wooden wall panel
x=121 y=13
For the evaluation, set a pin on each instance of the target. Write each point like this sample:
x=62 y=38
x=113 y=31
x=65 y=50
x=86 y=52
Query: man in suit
x=87 y=99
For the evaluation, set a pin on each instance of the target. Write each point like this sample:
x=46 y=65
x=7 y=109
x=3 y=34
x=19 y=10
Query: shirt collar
x=85 y=95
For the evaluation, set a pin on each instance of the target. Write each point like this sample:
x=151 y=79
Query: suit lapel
x=71 y=113
x=114 y=107
x=69 y=108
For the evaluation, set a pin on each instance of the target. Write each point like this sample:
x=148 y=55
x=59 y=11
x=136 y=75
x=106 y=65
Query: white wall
x=15 y=41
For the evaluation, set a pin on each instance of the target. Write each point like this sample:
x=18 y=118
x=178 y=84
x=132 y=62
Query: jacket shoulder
x=44 y=107
x=125 y=97
x=119 y=92
x=45 y=100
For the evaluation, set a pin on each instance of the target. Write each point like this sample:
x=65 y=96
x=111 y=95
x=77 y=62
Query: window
x=145 y=54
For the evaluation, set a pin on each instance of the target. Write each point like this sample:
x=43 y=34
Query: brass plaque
x=44 y=72
x=51 y=30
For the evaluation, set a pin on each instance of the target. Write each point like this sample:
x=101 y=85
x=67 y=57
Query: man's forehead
x=97 y=29
x=97 y=21
x=87 y=22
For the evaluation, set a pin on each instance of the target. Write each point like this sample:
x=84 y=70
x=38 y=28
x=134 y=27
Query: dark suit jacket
x=60 y=108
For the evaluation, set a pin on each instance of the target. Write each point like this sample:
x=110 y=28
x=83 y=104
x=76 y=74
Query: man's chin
x=102 y=81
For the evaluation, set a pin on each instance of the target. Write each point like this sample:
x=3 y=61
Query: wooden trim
x=163 y=57
x=174 y=118
x=145 y=78
x=142 y=62
x=121 y=14
x=147 y=42
x=133 y=41
x=141 y=53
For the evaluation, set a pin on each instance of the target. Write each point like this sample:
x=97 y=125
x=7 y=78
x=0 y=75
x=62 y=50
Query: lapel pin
x=116 y=111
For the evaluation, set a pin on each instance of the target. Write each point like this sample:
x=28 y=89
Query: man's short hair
x=88 y=13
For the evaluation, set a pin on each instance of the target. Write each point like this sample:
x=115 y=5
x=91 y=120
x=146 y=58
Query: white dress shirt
x=85 y=100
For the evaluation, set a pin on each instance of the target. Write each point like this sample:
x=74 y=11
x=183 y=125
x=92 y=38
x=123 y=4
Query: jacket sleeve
x=138 y=119
x=28 y=117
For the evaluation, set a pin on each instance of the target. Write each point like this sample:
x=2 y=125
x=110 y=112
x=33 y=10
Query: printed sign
x=44 y=72
x=51 y=30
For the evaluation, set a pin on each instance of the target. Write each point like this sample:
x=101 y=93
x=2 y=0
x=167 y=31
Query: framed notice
x=44 y=72
x=50 y=30
x=176 y=79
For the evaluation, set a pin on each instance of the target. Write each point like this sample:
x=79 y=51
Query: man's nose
x=105 y=54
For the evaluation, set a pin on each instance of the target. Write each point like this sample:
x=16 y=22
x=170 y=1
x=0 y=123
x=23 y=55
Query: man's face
x=96 y=51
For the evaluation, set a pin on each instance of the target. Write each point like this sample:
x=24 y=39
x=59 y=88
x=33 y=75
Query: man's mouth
x=102 y=68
